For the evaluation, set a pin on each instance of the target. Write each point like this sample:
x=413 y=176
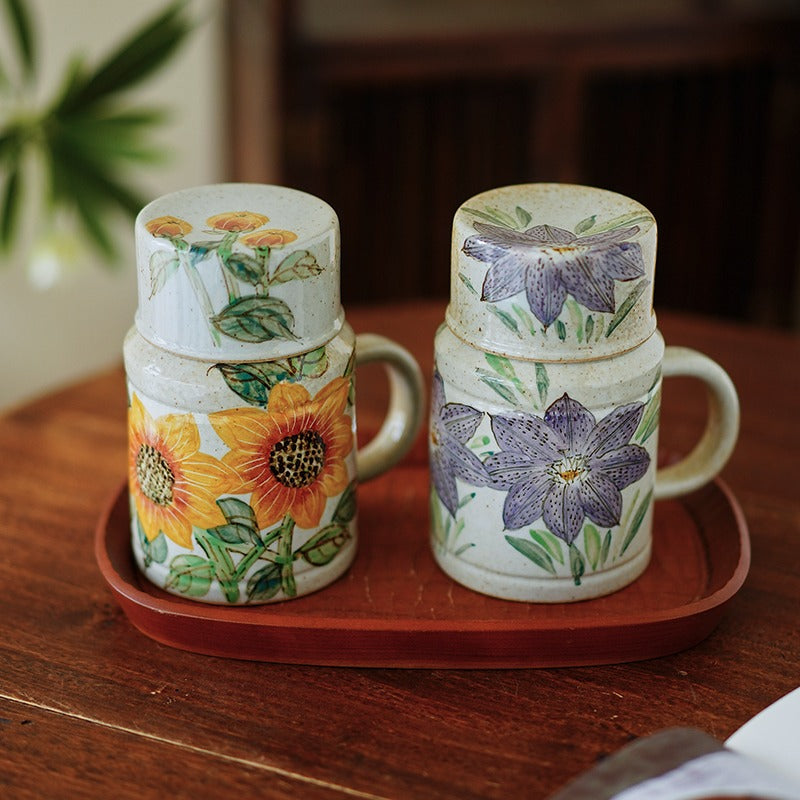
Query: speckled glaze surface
x=565 y=272
x=225 y=268
x=546 y=397
x=242 y=459
x=214 y=517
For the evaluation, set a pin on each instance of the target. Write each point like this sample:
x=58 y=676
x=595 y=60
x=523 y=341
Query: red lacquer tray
x=395 y=608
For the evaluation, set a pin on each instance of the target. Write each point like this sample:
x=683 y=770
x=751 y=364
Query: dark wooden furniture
x=89 y=707
x=396 y=113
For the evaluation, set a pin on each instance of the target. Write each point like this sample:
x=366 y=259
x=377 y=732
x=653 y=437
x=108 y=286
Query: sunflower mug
x=546 y=397
x=242 y=459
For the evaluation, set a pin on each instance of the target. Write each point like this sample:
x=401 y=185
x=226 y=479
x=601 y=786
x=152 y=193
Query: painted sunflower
x=174 y=486
x=291 y=457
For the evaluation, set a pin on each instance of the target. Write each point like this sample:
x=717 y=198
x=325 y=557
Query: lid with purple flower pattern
x=238 y=272
x=552 y=272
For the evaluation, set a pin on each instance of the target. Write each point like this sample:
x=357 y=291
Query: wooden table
x=90 y=707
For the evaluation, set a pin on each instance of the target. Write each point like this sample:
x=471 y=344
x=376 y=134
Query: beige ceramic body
x=546 y=397
x=472 y=547
x=167 y=386
x=242 y=458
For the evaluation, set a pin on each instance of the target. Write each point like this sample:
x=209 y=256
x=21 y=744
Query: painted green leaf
x=542 y=382
x=649 y=421
x=561 y=330
x=153 y=551
x=245 y=268
x=264 y=583
x=190 y=575
x=163 y=265
x=200 y=250
x=606 y=547
x=348 y=373
x=589 y=327
x=626 y=305
x=237 y=512
x=576 y=317
x=585 y=224
x=323 y=546
x=598 y=328
x=345 y=510
x=350 y=366
x=503 y=218
x=505 y=318
x=231 y=533
x=468 y=496
x=525 y=318
x=255 y=319
x=298 y=265
x=310 y=365
x=552 y=544
x=643 y=221
x=503 y=367
x=158 y=548
x=252 y=381
x=637 y=520
x=532 y=552
x=523 y=216
x=592 y=544
x=217 y=551
x=494 y=216
x=499 y=386
x=468 y=283
x=576 y=564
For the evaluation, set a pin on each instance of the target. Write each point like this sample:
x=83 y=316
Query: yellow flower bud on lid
x=236 y=272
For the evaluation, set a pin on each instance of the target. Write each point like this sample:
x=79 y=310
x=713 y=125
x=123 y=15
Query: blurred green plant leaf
x=9 y=211
x=88 y=135
x=141 y=55
x=22 y=31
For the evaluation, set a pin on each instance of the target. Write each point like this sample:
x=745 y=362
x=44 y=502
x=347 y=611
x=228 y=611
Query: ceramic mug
x=546 y=398
x=242 y=461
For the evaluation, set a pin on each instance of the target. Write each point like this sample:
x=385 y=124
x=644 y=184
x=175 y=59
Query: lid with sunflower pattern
x=238 y=272
x=552 y=272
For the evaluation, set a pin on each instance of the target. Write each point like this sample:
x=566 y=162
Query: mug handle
x=722 y=427
x=406 y=397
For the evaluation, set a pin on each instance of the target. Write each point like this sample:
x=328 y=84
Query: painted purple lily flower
x=549 y=262
x=566 y=466
x=452 y=426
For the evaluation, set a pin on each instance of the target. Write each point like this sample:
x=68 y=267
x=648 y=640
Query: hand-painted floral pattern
x=452 y=426
x=251 y=313
x=548 y=263
x=173 y=485
x=273 y=237
x=237 y=221
x=168 y=227
x=566 y=466
x=291 y=456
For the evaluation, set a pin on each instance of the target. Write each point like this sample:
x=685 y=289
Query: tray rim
x=271 y=617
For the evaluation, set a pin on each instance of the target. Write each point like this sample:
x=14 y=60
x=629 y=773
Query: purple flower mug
x=546 y=397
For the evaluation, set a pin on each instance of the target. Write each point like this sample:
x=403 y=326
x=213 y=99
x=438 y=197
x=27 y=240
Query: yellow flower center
x=155 y=477
x=569 y=469
x=297 y=460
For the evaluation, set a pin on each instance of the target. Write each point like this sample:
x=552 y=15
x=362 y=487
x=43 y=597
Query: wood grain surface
x=89 y=707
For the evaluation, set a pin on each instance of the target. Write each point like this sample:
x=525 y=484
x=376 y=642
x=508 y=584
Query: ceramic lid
x=237 y=272
x=552 y=272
